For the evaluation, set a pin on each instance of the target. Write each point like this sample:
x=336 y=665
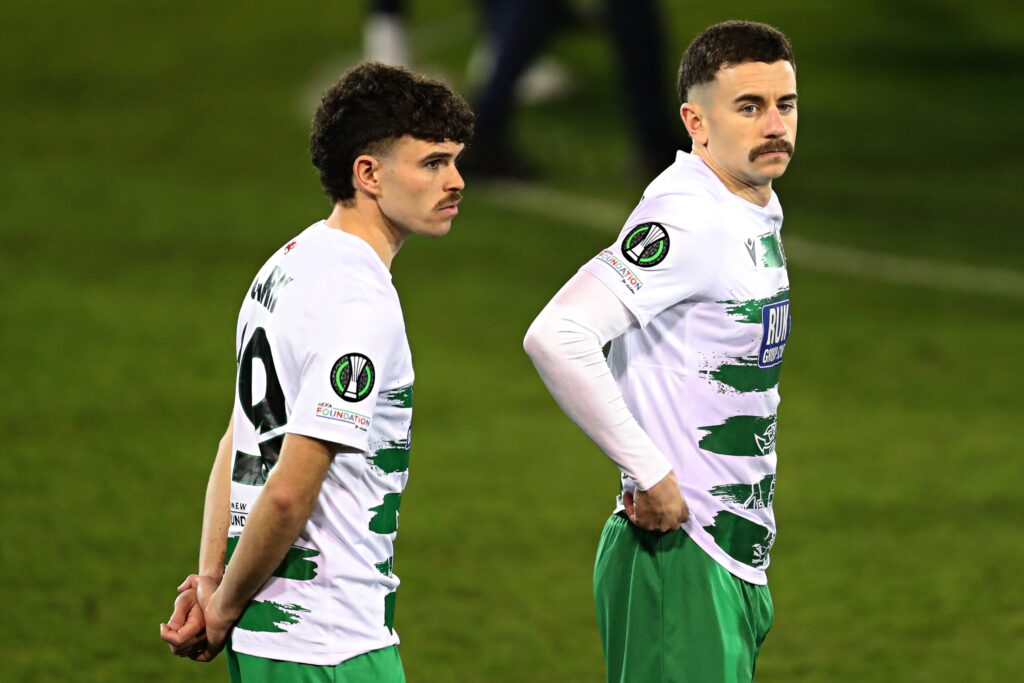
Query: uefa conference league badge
x=646 y=245
x=352 y=377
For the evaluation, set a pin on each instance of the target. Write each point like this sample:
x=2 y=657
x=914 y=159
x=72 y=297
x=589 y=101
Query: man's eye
x=749 y=109
x=787 y=106
x=435 y=164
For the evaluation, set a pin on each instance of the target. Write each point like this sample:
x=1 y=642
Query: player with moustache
x=296 y=558
x=694 y=299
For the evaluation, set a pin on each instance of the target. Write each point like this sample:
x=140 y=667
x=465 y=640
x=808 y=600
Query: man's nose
x=774 y=126
x=455 y=181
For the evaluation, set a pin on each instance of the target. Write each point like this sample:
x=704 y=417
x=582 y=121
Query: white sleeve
x=565 y=343
x=347 y=347
x=668 y=251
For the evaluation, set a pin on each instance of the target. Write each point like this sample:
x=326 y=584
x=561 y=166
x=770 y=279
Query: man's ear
x=366 y=174
x=692 y=115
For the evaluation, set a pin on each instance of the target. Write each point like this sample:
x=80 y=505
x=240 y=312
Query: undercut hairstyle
x=371 y=107
x=728 y=44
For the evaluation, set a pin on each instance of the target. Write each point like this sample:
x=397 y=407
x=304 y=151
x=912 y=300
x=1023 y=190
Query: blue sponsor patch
x=775 y=325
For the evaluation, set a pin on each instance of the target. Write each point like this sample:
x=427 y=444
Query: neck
x=755 y=194
x=365 y=221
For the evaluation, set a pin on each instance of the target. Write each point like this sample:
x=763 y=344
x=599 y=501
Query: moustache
x=779 y=145
x=452 y=199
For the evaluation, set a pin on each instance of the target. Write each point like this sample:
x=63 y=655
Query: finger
x=187 y=647
x=173 y=638
x=180 y=643
x=189 y=582
x=180 y=614
x=170 y=636
x=191 y=628
x=627 y=502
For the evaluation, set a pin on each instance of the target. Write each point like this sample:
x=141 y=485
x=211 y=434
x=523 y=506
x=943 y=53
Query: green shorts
x=668 y=613
x=379 y=666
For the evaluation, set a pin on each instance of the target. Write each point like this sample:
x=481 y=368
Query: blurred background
x=152 y=155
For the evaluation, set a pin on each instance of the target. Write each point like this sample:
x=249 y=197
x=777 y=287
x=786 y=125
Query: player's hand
x=184 y=630
x=219 y=620
x=659 y=508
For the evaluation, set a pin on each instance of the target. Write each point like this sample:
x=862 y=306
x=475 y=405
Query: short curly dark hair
x=372 y=106
x=728 y=44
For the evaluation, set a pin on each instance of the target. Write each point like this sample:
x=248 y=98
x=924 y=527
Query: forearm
x=565 y=344
x=276 y=519
x=270 y=531
x=216 y=511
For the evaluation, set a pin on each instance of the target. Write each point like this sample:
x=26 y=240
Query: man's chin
x=438 y=229
x=772 y=165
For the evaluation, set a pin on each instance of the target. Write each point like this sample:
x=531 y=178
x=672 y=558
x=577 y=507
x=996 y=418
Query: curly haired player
x=303 y=499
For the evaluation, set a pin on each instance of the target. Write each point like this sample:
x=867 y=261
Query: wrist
x=225 y=610
x=216 y=574
x=654 y=476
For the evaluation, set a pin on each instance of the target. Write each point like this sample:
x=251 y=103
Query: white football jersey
x=322 y=352
x=704 y=274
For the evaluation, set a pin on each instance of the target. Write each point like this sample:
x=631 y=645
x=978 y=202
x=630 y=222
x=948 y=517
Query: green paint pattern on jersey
x=746 y=435
x=392 y=456
x=746 y=376
x=389 y=611
x=747 y=496
x=269 y=617
x=772 y=255
x=399 y=398
x=253 y=470
x=745 y=541
x=297 y=563
x=386 y=566
x=750 y=311
x=385 y=519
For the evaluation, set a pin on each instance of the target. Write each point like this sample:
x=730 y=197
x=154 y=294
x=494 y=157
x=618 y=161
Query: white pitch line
x=605 y=217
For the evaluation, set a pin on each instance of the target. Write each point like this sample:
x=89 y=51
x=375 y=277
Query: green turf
x=154 y=155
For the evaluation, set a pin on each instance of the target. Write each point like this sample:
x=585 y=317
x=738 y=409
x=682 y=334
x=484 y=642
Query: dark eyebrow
x=758 y=99
x=748 y=97
x=436 y=156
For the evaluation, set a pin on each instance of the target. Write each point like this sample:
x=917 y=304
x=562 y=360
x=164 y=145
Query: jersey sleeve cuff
x=353 y=438
x=619 y=288
x=652 y=474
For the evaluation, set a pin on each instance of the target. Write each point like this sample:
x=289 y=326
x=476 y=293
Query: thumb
x=628 y=502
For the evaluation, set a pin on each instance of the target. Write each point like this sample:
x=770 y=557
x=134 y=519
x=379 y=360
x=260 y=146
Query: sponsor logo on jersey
x=267 y=291
x=329 y=412
x=629 y=278
x=775 y=325
x=352 y=377
x=288 y=247
x=646 y=245
x=239 y=513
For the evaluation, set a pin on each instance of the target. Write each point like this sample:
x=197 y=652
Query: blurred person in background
x=520 y=30
x=386 y=40
x=385 y=35
x=303 y=500
x=694 y=298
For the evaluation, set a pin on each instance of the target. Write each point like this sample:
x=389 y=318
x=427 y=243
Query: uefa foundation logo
x=352 y=377
x=646 y=245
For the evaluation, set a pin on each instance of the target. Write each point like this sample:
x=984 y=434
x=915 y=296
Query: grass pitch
x=155 y=154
